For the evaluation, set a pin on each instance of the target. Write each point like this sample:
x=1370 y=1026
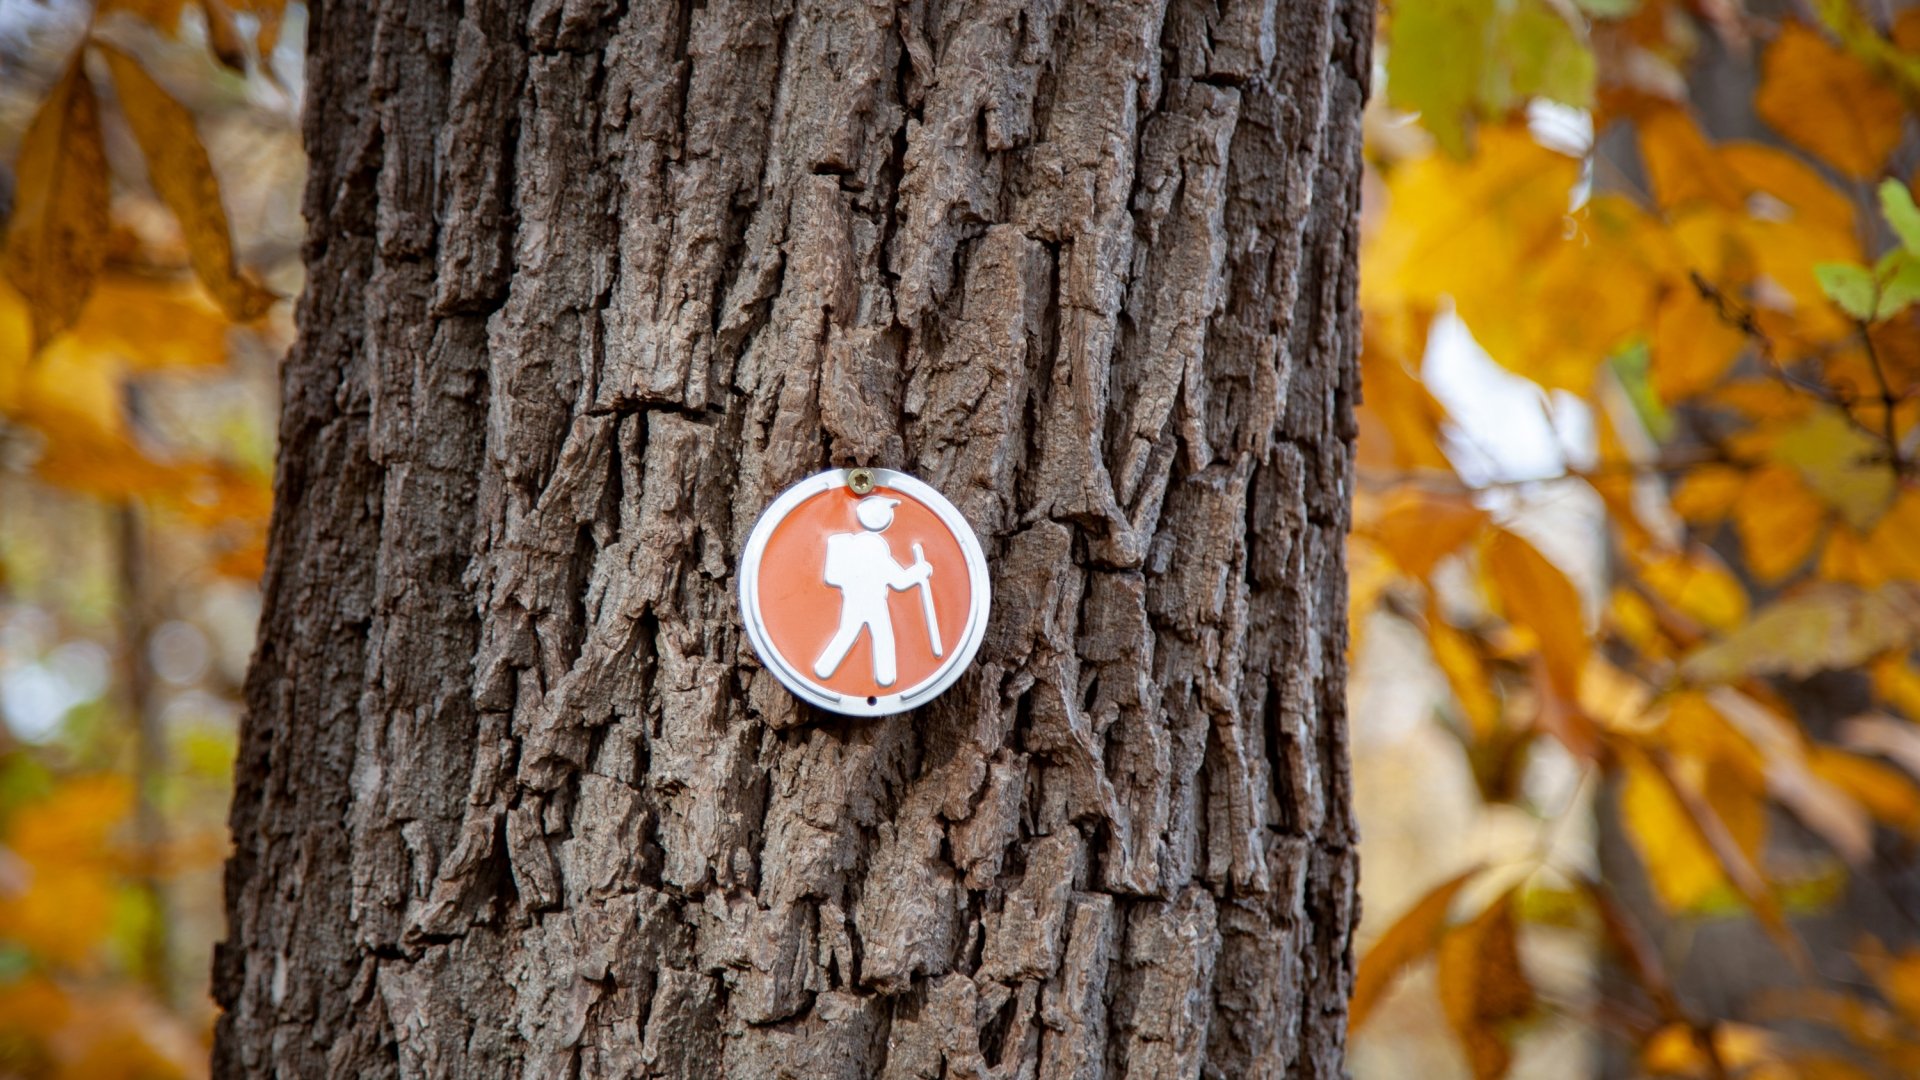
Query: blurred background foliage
x=139 y=336
x=1635 y=568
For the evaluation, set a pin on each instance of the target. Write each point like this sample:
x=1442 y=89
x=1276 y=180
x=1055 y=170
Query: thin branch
x=1888 y=401
x=1431 y=480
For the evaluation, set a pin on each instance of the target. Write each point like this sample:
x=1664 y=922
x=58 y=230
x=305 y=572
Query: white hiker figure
x=862 y=567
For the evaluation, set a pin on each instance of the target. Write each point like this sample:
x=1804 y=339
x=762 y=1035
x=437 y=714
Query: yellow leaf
x=1403 y=944
x=1534 y=594
x=1685 y=866
x=1466 y=672
x=1419 y=528
x=178 y=167
x=1634 y=620
x=1786 y=253
x=1897 y=684
x=1777 y=520
x=1483 y=988
x=1818 y=628
x=1886 y=792
x=1613 y=698
x=1399 y=419
x=151 y=324
x=1676 y=1050
x=1828 y=103
x=57 y=236
x=1698 y=586
x=1705 y=493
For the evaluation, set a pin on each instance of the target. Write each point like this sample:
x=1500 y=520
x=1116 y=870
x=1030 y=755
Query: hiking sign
x=864 y=591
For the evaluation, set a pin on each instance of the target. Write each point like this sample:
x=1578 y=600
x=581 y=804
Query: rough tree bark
x=589 y=284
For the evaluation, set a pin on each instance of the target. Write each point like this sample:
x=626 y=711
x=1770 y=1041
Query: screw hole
x=873 y=701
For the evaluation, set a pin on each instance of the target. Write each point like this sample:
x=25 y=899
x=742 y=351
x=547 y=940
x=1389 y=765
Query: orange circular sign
x=867 y=603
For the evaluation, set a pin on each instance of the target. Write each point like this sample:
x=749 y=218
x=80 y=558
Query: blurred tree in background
x=139 y=331
x=1675 y=240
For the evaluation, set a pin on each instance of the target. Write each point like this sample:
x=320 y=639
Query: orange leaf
x=1778 y=520
x=1898 y=684
x=178 y=167
x=1411 y=937
x=1693 y=346
x=1419 y=528
x=1681 y=165
x=57 y=237
x=1705 y=494
x=1536 y=595
x=1676 y=1050
x=1483 y=988
x=1792 y=181
x=1828 y=103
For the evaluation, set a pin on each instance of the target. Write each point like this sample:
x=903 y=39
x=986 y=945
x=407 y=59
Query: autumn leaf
x=1778 y=521
x=178 y=167
x=1886 y=792
x=57 y=236
x=1458 y=61
x=1410 y=938
x=1676 y=1049
x=1821 y=627
x=1696 y=584
x=1483 y=988
x=1837 y=460
x=1827 y=102
x=1466 y=673
x=65 y=843
x=1419 y=528
x=1536 y=595
x=1682 y=166
x=1682 y=867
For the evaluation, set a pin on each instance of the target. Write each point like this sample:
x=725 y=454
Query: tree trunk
x=588 y=286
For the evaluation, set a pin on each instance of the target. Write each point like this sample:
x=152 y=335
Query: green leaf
x=1633 y=366
x=1549 y=57
x=1849 y=286
x=1436 y=51
x=1899 y=277
x=1458 y=61
x=1896 y=202
x=1608 y=9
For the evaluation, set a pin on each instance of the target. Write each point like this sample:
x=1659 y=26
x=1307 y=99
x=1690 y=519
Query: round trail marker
x=864 y=591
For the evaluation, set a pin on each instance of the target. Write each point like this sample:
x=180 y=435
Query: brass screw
x=860 y=480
